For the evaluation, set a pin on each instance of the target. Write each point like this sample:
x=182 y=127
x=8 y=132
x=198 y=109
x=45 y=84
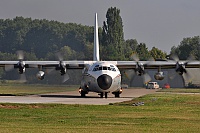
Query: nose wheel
x=102 y=94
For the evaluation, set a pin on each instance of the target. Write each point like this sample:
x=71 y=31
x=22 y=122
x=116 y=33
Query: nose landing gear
x=102 y=94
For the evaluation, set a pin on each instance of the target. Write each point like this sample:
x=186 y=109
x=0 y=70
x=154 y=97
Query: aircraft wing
x=156 y=64
x=120 y=64
x=46 y=64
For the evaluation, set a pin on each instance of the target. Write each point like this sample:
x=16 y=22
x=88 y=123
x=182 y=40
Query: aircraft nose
x=104 y=81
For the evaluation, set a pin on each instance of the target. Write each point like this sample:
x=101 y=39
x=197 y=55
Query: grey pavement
x=73 y=97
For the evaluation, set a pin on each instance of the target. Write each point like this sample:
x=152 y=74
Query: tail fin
x=96 y=40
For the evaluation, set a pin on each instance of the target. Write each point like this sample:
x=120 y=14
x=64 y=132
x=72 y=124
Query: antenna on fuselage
x=96 y=40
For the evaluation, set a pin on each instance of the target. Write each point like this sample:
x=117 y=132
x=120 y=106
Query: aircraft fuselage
x=101 y=77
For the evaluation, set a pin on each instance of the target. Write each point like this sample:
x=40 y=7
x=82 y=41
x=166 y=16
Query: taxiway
x=73 y=97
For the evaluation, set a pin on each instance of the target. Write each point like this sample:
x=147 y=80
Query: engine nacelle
x=62 y=68
x=159 y=76
x=180 y=68
x=139 y=69
x=63 y=71
x=40 y=75
x=21 y=66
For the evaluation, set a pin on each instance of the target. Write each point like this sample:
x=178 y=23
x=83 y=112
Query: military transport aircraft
x=102 y=77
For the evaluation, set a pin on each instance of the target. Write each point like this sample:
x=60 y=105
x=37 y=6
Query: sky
x=157 y=23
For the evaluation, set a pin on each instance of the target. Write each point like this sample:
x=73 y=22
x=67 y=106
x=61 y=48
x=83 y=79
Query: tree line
x=41 y=39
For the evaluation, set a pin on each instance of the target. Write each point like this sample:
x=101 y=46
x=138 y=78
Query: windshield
x=100 y=68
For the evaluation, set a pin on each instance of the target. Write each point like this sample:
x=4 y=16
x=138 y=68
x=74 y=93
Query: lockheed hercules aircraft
x=102 y=77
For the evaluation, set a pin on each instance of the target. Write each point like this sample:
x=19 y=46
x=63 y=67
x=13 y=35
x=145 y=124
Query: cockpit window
x=100 y=68
x=105 y=68
x=112 y=68
x=96 y=68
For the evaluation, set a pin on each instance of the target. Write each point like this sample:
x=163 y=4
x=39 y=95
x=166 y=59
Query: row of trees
x=188 y=47
x=41 y=39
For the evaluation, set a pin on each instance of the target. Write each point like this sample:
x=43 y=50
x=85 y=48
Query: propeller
x=20 y=65
x=62 y=67
x=181 y=67
x=139 y=70
x=20 y=57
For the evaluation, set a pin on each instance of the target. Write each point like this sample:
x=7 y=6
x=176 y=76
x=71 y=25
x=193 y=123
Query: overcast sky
x=159 y=23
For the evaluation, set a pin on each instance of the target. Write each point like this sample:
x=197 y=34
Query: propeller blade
x=146 y=78
x=49 y=70
x=188 y=76
x=129 y=74
x=191 y=58
x=65 y=78
x=22 y=78
x=9 y=67
x=174 y=57
x=135 y=57
x=173 y=75
x=20 y=55
x=59 y=56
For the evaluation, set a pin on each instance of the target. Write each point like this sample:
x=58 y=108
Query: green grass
x=160 y=113
x=181 y=90
x=23 y=89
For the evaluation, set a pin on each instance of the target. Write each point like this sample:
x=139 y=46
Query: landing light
x=80 y=91
x=120 y=91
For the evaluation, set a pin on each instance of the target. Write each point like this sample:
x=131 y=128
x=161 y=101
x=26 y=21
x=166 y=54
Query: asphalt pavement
x=73 y=97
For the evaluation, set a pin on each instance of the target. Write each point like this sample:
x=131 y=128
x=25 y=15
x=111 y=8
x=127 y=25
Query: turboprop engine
x=159 y=76
x=180 y=68
x=21 y=66
x=40 y=75
x=62 y=67
x=139 y=69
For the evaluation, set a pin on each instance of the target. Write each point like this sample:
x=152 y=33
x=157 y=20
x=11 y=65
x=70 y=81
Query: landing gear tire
x=117 y=95
x=106 y=95
x=82 y=94
x=101 y=95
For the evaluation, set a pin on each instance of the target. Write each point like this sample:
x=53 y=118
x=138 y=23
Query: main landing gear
x=102 y=94
x=117 y=93
x=83 y=93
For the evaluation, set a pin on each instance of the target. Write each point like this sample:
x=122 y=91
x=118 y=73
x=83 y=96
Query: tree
x=143 y=52
x=157 y=54
x=188 y=47
x=113 y=35
x=131 y=46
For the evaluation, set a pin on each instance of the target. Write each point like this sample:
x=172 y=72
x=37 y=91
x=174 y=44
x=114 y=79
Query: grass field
x=160 y=113
x=25 y=89
x=181 y=90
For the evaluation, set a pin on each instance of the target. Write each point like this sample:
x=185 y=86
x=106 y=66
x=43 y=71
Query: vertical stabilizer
x=96 y=40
